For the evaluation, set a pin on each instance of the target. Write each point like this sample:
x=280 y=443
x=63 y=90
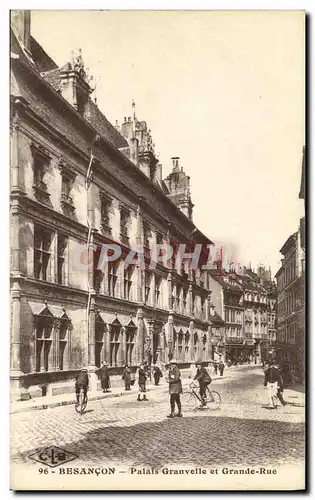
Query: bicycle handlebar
x=193 y=384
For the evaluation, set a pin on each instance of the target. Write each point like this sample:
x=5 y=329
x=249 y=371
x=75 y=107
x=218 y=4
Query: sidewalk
x=44 y=402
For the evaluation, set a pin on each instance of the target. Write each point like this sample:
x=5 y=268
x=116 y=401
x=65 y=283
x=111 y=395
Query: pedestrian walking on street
x=142 y=378
x=204 y=379
x=157 y=374
x=175 y=389
x=221 y=368
x=280 y=389
x=104 y=376
x=127 y=377
x=272 y=382
x=215 y=366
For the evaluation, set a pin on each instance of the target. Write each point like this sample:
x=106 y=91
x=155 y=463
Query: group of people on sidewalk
x=144 y=373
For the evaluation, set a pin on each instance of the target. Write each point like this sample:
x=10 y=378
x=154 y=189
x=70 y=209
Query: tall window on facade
x=98 y=274
x=124 y=223
x=204 y=343
x=177 y=297
x=181 y=346
x=159 y=239
x=42 y=244
x=203 y=307
x=184 y=308
x=113 y=278
x=40 y=164
x=67 y=180
x=158 y=284
x=187 y=345
x=130 y=343
x=114 y=344
x=106 y=203
x=99 y=339
x=128 y=284
x=43 y=343
x=147 y=287
x=63 y=339
x=195 y=345
x=194 y=308
x=146 y=234
x=61 y=251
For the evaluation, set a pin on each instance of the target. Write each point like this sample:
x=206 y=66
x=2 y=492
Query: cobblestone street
x=125 y=432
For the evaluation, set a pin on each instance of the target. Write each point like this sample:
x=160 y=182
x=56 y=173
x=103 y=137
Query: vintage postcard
x=157 y=250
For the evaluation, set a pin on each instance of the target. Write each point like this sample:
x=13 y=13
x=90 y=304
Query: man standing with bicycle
x=203 y=377
x=82 y=382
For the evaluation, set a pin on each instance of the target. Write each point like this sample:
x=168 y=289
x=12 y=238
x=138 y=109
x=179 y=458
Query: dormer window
x=75 y=83
x=82 y=99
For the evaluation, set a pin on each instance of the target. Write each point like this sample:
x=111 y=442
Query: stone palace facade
x=78 y=182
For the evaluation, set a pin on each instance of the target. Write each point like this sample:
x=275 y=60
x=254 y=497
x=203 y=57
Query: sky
x=224 y=91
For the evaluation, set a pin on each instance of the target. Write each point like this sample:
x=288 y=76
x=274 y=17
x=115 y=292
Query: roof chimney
x=21 y=23
x=175 y=160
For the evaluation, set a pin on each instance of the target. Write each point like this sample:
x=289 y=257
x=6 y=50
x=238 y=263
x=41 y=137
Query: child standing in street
x=142 y=378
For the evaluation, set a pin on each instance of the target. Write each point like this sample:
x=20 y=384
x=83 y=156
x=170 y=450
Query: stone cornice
x=45 y=215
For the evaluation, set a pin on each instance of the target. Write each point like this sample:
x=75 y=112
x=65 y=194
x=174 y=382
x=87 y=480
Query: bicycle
x=190 y=398
x=83 y=399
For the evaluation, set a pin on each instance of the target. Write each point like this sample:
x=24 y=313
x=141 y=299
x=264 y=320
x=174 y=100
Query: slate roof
x=94 y=116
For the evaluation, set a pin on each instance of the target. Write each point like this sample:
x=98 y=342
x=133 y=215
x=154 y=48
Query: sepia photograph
x=157 y=250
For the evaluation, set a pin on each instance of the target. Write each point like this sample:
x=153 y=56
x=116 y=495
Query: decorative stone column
x=56 y=346
x=16 y=372
x=122 y=348
x=91 y=345
x=170 y=336
x=91 y=312
x=148 y=355
x=91 y=333
x=107 y=334
x=209 y=343
x=141 y=335
x=191 y=340
x=169 y=292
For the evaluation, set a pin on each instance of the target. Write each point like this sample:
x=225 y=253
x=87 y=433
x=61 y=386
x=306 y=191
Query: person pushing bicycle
x=203 y=377
x=82 y=382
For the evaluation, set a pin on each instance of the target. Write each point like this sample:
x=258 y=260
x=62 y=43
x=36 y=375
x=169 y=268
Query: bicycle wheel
x=81 y=405
x=213 y=399
x=188 y=401
x=78 y=405
x=84 y=403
